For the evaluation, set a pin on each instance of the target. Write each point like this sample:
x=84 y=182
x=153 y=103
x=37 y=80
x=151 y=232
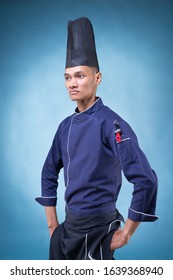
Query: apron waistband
x=85 y=223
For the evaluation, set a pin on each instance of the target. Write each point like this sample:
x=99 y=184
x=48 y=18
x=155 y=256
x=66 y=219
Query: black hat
x=81 y=48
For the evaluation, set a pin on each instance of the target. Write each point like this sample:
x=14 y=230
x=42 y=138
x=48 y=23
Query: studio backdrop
x=134 y=40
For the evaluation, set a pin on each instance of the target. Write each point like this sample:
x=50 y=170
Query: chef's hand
x=118 y=240
x=51 y=230
x=122 y=236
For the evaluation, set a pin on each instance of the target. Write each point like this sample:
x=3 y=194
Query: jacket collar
x=94 y=107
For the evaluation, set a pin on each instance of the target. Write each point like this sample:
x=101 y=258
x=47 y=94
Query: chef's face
x=81 y=82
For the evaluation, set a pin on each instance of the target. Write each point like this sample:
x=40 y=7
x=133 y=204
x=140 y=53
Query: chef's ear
x=98 y=78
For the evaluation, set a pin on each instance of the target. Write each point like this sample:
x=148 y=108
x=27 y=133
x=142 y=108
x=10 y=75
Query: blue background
x=134 y=41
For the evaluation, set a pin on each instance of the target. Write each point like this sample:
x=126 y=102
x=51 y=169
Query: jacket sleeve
x=137 y=170
x=50 y=173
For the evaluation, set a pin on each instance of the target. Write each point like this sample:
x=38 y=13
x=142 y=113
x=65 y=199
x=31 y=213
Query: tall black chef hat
x=81 y=48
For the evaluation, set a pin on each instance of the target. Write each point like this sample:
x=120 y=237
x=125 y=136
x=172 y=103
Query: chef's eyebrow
x=75 y=73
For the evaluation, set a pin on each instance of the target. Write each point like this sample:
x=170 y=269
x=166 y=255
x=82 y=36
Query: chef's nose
x=73 y=83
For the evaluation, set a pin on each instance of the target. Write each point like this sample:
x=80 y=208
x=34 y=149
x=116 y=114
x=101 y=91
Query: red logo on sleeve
x=117 y=132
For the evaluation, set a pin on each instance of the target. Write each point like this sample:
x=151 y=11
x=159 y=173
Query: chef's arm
x=52 y=219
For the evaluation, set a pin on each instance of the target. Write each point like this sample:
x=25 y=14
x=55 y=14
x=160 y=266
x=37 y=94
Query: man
x=93 y=146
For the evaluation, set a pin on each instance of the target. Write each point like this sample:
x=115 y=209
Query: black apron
x=85 y=238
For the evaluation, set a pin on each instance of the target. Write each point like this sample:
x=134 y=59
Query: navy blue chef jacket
x=86 y=147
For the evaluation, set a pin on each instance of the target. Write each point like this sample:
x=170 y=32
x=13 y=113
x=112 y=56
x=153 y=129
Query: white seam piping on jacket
x=88 y=107
x=123 y=140
x=46 y=196
x=68 y=152
x=143 y=213
x=86 y=236
x=68 y=139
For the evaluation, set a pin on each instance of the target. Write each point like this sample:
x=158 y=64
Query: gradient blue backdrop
x=134 y=41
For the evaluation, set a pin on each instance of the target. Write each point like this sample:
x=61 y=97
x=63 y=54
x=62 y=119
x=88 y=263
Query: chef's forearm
x=52 y=219
x=129 y=228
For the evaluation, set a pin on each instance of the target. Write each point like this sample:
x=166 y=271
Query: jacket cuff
x=46 y=201
x=137 y=216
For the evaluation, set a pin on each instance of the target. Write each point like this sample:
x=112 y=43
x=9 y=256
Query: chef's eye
x=67 y=78
x=80 y=76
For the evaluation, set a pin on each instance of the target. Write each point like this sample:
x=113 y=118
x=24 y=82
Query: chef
x=93 y=146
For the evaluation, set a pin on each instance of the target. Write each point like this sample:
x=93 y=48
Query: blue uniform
x=93 y=159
